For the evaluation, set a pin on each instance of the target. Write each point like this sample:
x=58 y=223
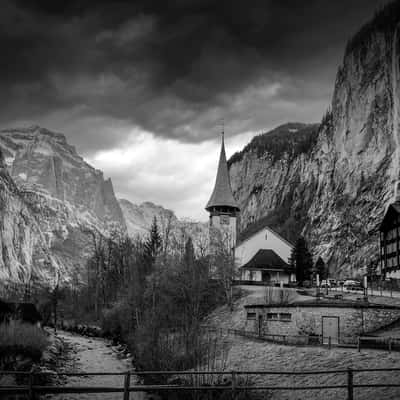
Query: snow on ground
x=93 y=355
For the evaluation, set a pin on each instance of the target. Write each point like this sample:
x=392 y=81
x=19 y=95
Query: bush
x=23 y=338
x=116 y=321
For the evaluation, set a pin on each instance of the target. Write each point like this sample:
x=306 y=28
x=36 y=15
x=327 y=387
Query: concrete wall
x=308 y=320
x=264 y=239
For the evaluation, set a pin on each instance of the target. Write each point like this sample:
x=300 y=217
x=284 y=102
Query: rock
x=336 y=186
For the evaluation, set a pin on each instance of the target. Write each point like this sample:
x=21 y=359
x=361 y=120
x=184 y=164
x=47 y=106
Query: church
x=261 y=256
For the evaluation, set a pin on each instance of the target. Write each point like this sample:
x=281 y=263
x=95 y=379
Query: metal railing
x=234 y=382
x=359 y=342
x=293 y=340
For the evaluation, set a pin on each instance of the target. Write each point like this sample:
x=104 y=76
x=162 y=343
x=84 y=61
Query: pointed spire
x=222 y=195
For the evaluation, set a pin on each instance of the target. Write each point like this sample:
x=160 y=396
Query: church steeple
x=222 y=196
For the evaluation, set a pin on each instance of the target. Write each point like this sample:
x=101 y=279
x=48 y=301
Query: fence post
x=390 y=344
x=329 y=342
x=350 y=384
x=127 y=383
x=30 y=389
x=233 y=388
x=358 y=344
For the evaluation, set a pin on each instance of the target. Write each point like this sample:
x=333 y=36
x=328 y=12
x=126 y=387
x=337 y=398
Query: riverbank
x=89 y=354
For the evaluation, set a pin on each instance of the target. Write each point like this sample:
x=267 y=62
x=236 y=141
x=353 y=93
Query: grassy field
x=251 y=355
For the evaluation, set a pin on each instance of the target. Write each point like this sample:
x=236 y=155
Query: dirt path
x=93 y=355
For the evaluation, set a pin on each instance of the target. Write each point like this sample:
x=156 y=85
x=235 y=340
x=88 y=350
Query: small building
x=263 y=256
x=389 y=234
x=341 y=321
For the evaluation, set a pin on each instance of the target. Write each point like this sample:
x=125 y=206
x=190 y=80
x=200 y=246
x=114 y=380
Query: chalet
x=389 y=232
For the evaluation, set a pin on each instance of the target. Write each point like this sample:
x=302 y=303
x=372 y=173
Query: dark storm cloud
x=171 y=67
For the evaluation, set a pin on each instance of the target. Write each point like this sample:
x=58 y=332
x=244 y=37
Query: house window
x=285 y=316
x=251 y=315
x=272 y=316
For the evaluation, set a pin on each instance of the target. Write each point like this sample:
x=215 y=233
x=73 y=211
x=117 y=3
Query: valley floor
x=252 y=355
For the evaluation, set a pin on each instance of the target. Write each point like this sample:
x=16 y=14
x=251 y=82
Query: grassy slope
x=249 y=355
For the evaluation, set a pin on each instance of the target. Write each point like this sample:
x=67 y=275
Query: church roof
x=222 y=194
x=264 y=259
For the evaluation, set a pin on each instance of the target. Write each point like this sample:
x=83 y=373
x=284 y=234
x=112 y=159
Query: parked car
x=351 y=284
x=325 y=283
x=332 y=282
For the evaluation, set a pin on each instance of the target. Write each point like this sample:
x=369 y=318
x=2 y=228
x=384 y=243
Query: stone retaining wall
x=299 y=320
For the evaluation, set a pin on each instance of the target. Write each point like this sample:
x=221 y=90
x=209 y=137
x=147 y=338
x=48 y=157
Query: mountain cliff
x=67 y=198
x=335 y=186
x=24 y=253
x=139 y=217
x=175 y=232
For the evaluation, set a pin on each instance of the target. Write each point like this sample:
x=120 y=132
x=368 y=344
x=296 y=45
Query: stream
x=86 y=354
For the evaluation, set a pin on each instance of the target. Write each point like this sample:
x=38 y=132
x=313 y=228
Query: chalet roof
x=266 y=259
x=393 y=209
x=222 y=193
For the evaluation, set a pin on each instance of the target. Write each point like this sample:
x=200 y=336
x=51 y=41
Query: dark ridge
x=281 y=140
x=384 y=20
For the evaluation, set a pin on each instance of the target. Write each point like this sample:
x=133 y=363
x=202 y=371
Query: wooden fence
x=218 y=381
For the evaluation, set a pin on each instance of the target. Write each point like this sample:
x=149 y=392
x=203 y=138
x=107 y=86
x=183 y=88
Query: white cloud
x=176 y=175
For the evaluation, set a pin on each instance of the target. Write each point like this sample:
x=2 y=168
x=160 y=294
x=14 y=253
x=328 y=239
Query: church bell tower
x=223 y=208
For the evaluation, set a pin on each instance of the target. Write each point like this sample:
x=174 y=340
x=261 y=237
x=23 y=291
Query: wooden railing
x=234 y=381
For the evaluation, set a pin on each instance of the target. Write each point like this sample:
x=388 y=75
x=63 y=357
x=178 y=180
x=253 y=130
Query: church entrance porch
x=265 y=276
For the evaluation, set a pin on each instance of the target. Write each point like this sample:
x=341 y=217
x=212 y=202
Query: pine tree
x=152 y=246
x=320 y=269
x=301 y=259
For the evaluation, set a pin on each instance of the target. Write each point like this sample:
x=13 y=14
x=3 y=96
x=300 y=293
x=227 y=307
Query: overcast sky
x=140 y=87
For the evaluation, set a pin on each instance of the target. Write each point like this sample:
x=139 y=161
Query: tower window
x=224 y=219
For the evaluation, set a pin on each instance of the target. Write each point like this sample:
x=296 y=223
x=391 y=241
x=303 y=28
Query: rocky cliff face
x=24 y=253
x=139 y=217
x=174 y=231
x=66 y=197
x=337 y=191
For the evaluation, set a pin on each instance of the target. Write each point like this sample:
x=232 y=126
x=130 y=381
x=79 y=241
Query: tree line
x=152 y=295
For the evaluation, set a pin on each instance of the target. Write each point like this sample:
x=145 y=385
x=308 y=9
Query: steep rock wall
x=336 y=194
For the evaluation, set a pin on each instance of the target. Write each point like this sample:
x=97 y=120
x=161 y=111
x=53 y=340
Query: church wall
x=223 y=228
x=264 y=239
